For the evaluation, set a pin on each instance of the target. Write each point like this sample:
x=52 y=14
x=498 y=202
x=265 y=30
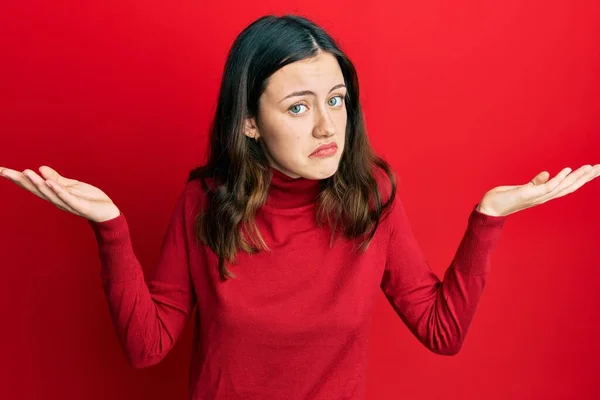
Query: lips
x=326 y=146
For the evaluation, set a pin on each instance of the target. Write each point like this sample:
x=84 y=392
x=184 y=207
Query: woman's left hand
x=505 y=200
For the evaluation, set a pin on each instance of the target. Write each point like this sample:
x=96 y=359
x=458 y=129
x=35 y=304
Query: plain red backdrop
x=460 y=96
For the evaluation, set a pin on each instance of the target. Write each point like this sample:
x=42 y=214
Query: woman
x=293 y=201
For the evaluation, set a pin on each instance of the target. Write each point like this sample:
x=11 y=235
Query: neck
x=288 y=192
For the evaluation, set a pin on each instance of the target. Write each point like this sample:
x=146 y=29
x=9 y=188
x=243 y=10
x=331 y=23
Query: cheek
x=341 y=119
x=286 y=137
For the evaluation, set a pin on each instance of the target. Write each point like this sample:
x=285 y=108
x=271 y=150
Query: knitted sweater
x=294 y=323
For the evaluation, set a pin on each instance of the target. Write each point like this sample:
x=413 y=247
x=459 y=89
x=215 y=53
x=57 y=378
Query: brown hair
x=349 y=200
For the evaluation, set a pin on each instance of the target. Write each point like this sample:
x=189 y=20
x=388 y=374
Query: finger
x=558 y=179
x=23 y=181
x=35 y=185
x=51 y=174
x=597 y=168
x=43 y=191
x=531 y=192
x=541 y=178
x=579 y=182
x=72 y=201
x=580 y=175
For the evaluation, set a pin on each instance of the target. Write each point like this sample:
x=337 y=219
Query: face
x=302 y=108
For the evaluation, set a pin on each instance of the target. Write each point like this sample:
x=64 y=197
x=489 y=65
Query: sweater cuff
x=115 y=249
x=480 y=239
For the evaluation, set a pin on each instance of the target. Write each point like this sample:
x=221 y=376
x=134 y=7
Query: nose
x=324 y=126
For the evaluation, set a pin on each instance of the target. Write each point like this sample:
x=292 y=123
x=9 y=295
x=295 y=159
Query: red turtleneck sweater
x=294 y=323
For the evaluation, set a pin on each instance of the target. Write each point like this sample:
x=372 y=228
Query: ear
x=251 y=128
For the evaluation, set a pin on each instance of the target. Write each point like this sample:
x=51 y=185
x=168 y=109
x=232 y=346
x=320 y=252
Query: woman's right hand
x=70 y=195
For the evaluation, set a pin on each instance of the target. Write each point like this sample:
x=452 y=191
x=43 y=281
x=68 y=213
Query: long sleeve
x=148 y=315
x=438 y=312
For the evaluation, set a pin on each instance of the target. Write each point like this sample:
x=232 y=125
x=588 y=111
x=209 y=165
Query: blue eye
x=295 y=109
x=336 y=104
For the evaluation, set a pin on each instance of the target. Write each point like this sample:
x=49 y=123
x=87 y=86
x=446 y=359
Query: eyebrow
x=308 y=92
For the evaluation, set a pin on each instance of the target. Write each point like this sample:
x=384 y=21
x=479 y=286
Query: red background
x=460 y=96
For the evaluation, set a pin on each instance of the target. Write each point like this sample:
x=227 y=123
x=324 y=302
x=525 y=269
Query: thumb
x=49 y=173
x=540 y=178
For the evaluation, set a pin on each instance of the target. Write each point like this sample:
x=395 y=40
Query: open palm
x=70 y=195
x=505 y=200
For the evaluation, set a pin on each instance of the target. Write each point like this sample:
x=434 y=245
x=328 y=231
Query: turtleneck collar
x=287 y=192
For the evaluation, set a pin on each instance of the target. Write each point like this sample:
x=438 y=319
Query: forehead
x=318 y=74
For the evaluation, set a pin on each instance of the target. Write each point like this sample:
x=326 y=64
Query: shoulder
x=194 y=197
x=386 y=181
x=390 y=190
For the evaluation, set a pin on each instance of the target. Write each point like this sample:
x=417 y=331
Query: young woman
x=284 y=237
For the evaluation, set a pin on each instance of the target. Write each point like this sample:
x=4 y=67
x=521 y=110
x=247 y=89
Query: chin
x=315 y=169
x=323 y=171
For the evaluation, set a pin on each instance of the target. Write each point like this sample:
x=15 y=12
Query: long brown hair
x=350 y=200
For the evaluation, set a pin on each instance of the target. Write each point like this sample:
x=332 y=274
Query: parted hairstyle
x=349 y=200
